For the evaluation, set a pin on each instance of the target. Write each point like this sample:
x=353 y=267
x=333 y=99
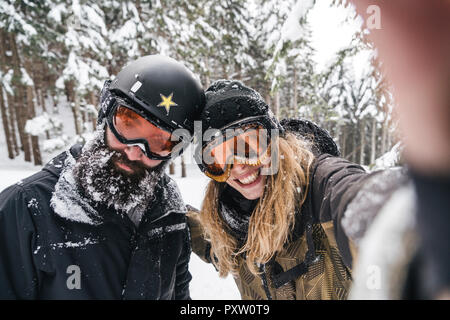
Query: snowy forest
x=56 y=54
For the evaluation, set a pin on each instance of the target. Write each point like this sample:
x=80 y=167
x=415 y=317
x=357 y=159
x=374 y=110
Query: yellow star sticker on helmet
x=167 y=102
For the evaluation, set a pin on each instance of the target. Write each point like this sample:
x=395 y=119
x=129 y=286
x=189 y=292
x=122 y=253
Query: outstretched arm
x=344 y=193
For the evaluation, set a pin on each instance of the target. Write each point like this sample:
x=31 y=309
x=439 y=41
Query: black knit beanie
x=230 y=100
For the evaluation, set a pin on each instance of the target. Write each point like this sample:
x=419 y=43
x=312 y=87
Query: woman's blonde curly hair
x=272 y=220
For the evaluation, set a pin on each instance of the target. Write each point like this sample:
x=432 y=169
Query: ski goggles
x=132 y=127
x=245 y=142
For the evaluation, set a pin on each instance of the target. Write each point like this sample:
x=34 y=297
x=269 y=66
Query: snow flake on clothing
x=66 y=200
x=33 y=203
x=233 y=219
x=158 y=232
x=55 y=163
x=237 y=222
x=70 y=244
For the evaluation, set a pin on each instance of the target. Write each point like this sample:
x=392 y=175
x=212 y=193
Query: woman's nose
x=238 y=169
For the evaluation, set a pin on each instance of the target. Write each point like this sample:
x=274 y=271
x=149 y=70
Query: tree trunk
x=3 y=107
x=50 y=91
x=183 y=167
x=20 y=99
x=206 y=73
x=84 y=115
x=93 y=117
x=384 y=134
x=354 y=144
x=21 y=119
x=42 y=88
x=171 y=168
x=138 y=8
x=362 y=142
x=294 y=97
x=38 y=76
x=6 y=126
x=336 y=133
x=34 y=139
x=276 y=105
x=388 y=138
x=4 y=61
x=225 y=72
x=54 y=104
x=32 y=113
x=77 y=113
x=74 y=103
x=343 y=141
x=373 y=143
x=238 y=72
x=268 y=99
x=12 y=121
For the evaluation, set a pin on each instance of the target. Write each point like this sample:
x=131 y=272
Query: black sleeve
x=18 y=277
x=346 y=194
x=372 y=194
x=335 y=182
x=183 y=275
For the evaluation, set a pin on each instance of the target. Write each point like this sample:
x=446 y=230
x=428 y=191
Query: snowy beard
x=98 y=177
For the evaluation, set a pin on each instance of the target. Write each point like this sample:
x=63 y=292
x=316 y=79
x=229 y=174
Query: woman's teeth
x=251 y=178
x=253 y=161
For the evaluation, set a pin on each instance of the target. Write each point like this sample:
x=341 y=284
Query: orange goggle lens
x=131 y=126
x=248 y=145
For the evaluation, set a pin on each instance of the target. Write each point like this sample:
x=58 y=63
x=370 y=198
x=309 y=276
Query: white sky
x=330 y=33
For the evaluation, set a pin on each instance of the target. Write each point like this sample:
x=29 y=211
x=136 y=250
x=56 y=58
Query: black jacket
x=42 y=255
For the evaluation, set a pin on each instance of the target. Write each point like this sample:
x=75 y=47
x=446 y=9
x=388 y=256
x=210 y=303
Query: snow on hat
x=106 y=102
x=322 y=142
x=230 y=100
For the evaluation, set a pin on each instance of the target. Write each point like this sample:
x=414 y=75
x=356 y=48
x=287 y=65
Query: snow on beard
x=99 y=178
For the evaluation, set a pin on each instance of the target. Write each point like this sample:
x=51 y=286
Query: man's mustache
x=138 y=167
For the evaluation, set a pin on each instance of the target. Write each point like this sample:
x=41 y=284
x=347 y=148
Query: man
x=103 y=221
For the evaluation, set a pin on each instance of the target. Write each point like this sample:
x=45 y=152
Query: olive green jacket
x=316 y=262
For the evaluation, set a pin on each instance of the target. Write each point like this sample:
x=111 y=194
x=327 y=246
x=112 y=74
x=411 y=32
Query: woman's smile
x=250 y=179
x=247 y=180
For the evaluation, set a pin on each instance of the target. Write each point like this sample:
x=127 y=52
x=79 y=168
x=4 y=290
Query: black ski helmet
x=161 y=87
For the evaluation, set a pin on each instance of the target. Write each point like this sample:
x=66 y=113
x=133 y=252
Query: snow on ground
x=205 y=283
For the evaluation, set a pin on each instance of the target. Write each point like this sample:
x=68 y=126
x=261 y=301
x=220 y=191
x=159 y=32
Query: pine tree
x=21 y=30
x=84 y=51
x=288 y=45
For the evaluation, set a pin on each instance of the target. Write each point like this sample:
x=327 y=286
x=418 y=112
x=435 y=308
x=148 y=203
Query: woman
x=271 y=214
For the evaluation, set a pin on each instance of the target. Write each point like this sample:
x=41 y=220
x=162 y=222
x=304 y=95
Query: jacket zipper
x=262 y=269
